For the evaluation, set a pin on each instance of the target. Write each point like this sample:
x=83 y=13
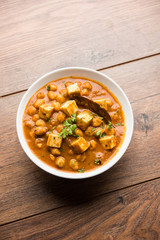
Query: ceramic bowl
x=79 y=72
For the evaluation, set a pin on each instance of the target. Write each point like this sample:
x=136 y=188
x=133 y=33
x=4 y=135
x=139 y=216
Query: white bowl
x=80 y=72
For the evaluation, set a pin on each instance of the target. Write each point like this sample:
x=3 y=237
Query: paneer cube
x=108 y=142
x=84 y=119
x=104 y=103
x=69 y=107
x=80 y=145
x=54 y=140
x=45 y=111
x=73 y=90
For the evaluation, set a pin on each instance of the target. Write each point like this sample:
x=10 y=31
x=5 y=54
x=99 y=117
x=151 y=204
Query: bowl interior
x=79 y=72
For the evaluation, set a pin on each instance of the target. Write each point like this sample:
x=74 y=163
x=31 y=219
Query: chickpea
x=31 y=133
x=63 y=92
x=39 y=143
x=93 y=144
x=87 y=85
x=53 y=87
x=53 y=122
x=52 y=157
x=96 y=122
x=55 y=151
x=90 y=131
x=35 y=117
x=32 y=110
x=73 y=164
x=110 y=103
x=40 y=95
x=59 y=128
x=81 y=157
x=51 y=95
x=40 y=130
x=61 y=117
x=60 y=162
x=56 y=106
x=79 y=84
x=68 y=84
x=38 y=103
x=70 y=152
x=60 y=98
x=40 y=122
x=85 y=92
x=29 y=123
x=114 y=115
x=79 y=132
x=109 y=131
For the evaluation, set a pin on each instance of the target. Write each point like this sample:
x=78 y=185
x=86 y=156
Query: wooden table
x=120 y=38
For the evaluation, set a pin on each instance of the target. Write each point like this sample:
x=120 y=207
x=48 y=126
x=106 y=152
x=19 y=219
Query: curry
x=74 y=124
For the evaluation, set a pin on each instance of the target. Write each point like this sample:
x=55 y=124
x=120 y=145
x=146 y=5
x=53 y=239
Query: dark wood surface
x=120 y=39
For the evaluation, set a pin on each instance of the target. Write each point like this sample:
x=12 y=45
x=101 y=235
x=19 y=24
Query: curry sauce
x=68 y=136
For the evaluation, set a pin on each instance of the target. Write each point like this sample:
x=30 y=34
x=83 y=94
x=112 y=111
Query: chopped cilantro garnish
x=69 y=127
x=93 y=129
x=76 y=135
x=97 y=161
x=61 y=149
x=109 y=125
x=81 y=170
x=48 y=88
x=118 y=124
x=103 y=124
x=102 y=135
x=98 y=133
x=48 y=119
x=68 y=130
x=73 y=117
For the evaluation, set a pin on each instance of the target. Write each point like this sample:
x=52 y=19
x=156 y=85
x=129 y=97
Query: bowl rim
x=65 y=174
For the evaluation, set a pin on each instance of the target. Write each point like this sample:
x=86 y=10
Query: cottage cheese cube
x=84 y=119
x=69 y=107
x=104 y=103
x=54 y=140
x=108 y=142
x=45 y=111
x=80 y=145
x=73 y=90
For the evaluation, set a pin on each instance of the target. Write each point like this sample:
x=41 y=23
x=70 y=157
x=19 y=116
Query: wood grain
x=38 y=37
x=26 y=190
x=131 y=214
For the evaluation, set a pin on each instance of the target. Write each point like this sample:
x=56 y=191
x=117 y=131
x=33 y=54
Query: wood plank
x=39 y=37
x=27 y=190
x=132 y=213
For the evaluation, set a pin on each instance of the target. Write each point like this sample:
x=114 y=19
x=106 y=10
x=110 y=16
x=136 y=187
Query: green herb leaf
x=76 y=135
x=103 y=124
x=81 y=170
x=109 y=125
x=48 y=119
x=61 y=149
x=97 y=161
x=48 y=88
x=93 y=129
x=67 y=130
x=98 y=133
x=64 y=82
x=102 y=135
x=73 y=117
x=118 y=124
